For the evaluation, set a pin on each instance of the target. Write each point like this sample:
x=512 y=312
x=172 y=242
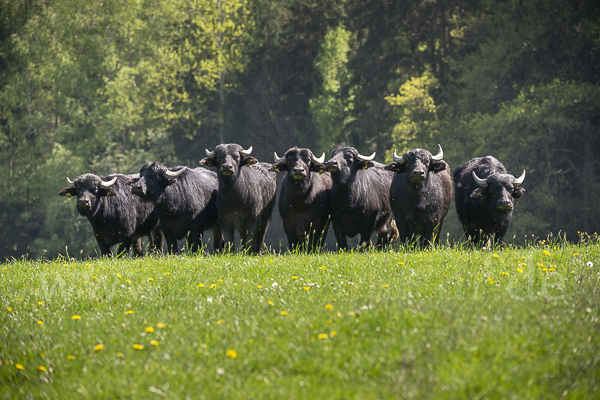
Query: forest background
x=104 y=86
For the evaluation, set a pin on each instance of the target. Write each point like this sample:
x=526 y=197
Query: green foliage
x=332 y=106
x=444 y=323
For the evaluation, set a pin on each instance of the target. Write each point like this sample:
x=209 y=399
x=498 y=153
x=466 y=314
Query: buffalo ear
x=316 y=167
x=438 y=166
x=478 y=192
x=107 y=192
x=518 y=192
x=282 y=166
x=68 y=191
x=208 y=162
x=248 y=161
x=365 y=164
x=395 y=167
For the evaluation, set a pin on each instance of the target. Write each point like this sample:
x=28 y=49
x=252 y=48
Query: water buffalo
x=420 y=194
x=246 y=195
x=115 y=214
x=304 y=198
x=484 y=198
x=359 y=200
x=186 y=200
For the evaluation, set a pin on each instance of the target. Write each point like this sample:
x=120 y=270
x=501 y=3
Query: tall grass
x=448 y=322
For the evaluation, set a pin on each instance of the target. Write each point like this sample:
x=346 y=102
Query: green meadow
x=449 y=322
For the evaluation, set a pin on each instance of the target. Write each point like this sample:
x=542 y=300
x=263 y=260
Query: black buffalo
x=115 y=214
x=420 y=194
x=484 y=198
x=359 y=200
x=186 y=200
x=304 y=198
x=246 y=195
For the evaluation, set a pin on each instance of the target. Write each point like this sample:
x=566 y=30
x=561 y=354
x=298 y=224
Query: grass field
x=445 y=323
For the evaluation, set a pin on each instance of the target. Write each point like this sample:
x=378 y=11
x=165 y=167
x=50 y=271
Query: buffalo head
x=88 y=188
x=228 y=159
x=499 y=189
x=346 y=161
x=417 y=163
x=154 y=178
x=298 y=163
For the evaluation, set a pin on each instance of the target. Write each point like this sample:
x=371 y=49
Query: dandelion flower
x=149 y=329
x=575 y=255
x=19 y=366
x=271 y=303
x=250 y=341
x=231 y=353
x=137 y=346
x=128 y=281
x=323 y=336
x=519 y=270
x=200 y=285
x=322 y=267
x=94 y=277
x=306 y=288
x=150 y=279
x=283 y=313
x=119 y=276
x=328 y=307
x=40 y=322
x=98 y=347
x=128 y=312
x=386 y=285
x=544 y=269
x=120 y=355
x=259 y=286
x=167 y=273
x=546 y=252
x=294 y=277
x=40 y=303
x=41 y=368
x=496 y=255
x=219 y=322
x=154 y=343
x=70 y=357
x=333 y=333
x=161 y=325
x=401 y=263
x=504 y=273
x=329 y=322
x=75 y=317
x=9 y=309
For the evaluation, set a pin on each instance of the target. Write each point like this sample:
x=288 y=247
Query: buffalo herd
x=405 y=200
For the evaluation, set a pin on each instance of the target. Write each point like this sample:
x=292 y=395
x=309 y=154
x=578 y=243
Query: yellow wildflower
x=386 y=285
x=306 y=288
x=94 y=277
x=75 y=317
x=231 y=353
x=161 y=325
x=128 y=312
x=250 y=341
x=333 y=333
x=9 y=309
x=328 y=307
x=496 y=255
x=98 y=347
x=149 y=329
x=219 y=322
x=120 y=355
x=504 y=273
x=200 y=285
x=323 y=336
x=519 y=270
x=119 y=276
x=137 y=346
x=19 y=366
x=259 y=286
x=41 y=368
x=546 y=252
x=40 y=322
x=40 y=303
x=283 y=313
x=154 y=343
x=128 y=281
x=151 y=279
x=270 y=303
x=70 y=357
x=322 y=267
x=294 y=277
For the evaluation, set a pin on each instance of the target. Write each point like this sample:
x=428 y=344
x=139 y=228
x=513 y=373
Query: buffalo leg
x=124 y=247
x=138 y=250
x=104 y=248
x=228 y=237
x=156 y=242
x=217 y=238
x=172 y=247
x=341 y=239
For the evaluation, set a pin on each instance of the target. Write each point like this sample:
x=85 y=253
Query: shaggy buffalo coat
x=359 y=200
x=186 y=200
x=420 y=195
x=304 y=199
x=246 y=195
x=485 y=210
x=115 y=214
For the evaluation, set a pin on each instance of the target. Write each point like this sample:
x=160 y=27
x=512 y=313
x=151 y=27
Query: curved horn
x=480 y=182
x=175 y=174
x=439 y=156
x=278 y=159
x=107 y=184
x=363 y=158
x=317 y=160
x=70 y=182
x=520 y=179
x=247 y=152
x=398 y=159
x=209 y=153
